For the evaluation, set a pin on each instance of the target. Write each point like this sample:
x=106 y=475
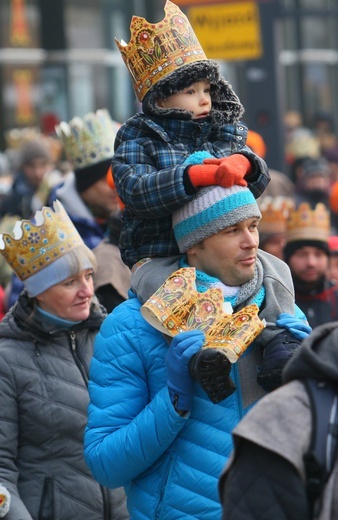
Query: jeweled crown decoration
x=305 y=223
x=35 y=245
x=5 y=500
x=275 y=212
x=177 y=307
x=157 y=49
x=88 y=140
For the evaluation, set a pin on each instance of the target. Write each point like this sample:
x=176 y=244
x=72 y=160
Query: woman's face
x=70 y=299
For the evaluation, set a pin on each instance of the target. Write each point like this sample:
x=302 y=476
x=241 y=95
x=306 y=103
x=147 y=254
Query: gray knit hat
x=211 y=210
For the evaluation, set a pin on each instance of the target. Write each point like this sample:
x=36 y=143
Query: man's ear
x=191 y=255
x=191 y=251
x=159 y=103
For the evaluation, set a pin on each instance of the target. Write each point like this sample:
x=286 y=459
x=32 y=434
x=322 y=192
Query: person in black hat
x=92 y=204
x=314 y=182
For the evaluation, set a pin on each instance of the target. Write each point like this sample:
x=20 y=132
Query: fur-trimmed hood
x=226 y=106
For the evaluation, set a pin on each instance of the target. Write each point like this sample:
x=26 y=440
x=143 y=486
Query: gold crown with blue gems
x=157 y=49
x=34 y=246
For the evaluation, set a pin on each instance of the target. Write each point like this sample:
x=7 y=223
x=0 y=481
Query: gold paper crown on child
x=36 y=245
x=305 y=223
x=275 y=212
x=157 y=49
x=88 y=140
x=177 y=306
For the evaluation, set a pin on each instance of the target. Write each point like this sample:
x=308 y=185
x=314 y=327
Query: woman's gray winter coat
x=43 y=413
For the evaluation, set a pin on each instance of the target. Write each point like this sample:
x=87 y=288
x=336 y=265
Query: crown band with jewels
x=34 y=246
x=177 y=307
x=275 y=211
x=155 y=50
x=305 y=223
x=89 y=140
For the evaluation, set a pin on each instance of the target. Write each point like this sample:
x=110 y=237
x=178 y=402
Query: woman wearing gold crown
x=46 y=344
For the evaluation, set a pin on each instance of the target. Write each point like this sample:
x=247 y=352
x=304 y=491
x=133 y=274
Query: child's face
x=195 y=98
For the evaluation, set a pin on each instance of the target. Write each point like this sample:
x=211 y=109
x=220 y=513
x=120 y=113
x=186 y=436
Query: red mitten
x=231 y=170
x=203 y=174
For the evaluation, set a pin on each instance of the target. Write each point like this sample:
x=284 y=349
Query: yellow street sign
x=228 y=32
x=185 y=3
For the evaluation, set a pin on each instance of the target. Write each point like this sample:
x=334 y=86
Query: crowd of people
x=163 y=294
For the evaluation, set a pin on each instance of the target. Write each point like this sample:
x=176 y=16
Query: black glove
x=211 y=368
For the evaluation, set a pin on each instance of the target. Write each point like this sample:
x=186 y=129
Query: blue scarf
x=231 y=294
x=55 y=320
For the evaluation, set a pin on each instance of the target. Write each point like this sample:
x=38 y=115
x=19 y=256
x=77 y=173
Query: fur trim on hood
x=226 y=106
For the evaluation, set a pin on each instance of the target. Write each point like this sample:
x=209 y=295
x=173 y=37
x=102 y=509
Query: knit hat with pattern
x=211 y=210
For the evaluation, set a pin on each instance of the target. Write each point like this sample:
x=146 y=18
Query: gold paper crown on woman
x=157 y=49
x=305 y=223
x=177 y=306
x=34 y=246
x=88 y=140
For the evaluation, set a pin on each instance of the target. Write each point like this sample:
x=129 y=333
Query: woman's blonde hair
x=79 y=259
x=70 y=263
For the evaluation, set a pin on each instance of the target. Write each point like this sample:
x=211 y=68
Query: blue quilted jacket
x=169 y=465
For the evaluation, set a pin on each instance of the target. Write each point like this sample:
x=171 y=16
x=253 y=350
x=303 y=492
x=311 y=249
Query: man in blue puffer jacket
x=152 y=428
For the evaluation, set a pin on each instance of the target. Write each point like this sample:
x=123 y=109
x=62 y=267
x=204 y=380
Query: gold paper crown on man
x=275 y=212
x=305 y=223
x=89 y=140
x=307 y=227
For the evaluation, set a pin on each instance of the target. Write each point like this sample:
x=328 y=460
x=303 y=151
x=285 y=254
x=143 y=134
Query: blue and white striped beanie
x=211 y=210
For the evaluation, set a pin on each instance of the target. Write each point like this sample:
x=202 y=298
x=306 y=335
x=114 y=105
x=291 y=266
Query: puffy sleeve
x=131 y=421
x=9 y=433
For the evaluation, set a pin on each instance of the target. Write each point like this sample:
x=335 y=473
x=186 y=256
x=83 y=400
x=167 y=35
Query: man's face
x=101 y=196
x=318 y=182
x=230 y=255
x=309 y=264
x=35 y=171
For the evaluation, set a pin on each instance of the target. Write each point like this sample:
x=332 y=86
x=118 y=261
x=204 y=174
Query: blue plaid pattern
x=148 y=172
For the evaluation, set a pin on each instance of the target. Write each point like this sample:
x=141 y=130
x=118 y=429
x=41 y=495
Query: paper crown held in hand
x=177 y=307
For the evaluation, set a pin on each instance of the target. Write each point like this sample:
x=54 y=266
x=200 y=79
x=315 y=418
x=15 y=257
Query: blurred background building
x=58 y=59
